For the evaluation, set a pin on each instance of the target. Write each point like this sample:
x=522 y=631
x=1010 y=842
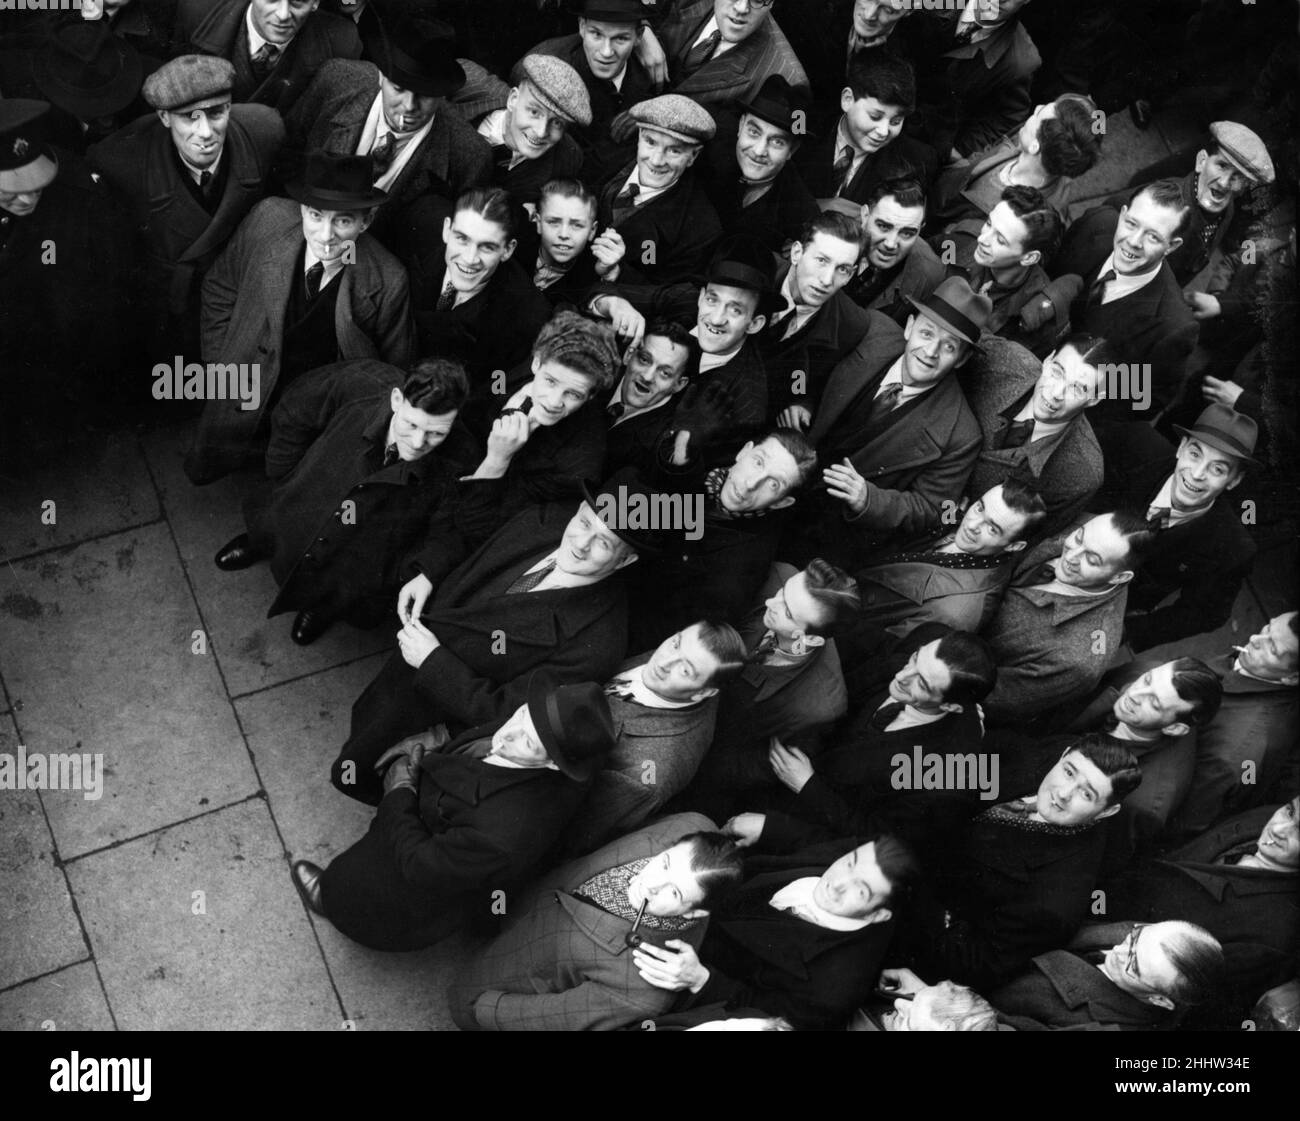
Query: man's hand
x=1203 y=305
x=416 y=643
x=628 y=323
x=412 y=598
x=608 y=249
x=843 y=482
x=650 y=53
x=791 y=766
x=794 y=416
x=746 y=828
x=510 y=432
x=900 y=981
x=1221 y=392
x=665 y=969
x=405 y=768
x=706 y=410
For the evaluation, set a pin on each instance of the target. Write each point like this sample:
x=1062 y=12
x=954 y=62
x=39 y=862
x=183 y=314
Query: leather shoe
x=237 y=554
x=306 y=878
x=308 y=626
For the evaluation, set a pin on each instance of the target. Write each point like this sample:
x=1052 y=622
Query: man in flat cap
x=276 y=46
x=189 y=174
x=395 y=110
x=662 y=212
x=299 y=286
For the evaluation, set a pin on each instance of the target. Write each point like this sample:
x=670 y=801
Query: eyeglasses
x=755 y=3
x=1130 y=962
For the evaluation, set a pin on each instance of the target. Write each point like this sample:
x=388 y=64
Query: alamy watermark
x=636 y=510
x=930 y=770
x=61 y=771
x=216 y=381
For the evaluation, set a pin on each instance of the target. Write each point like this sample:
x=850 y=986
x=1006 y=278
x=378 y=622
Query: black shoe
x=306 y=878
x=308 y=626
x=237 y=554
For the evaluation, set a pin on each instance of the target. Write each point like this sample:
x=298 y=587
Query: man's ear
x=760 y=321
x=1241 y=474
x=1109 y=811
x=1174 y=243
x=695 y=153
x=704 y=694
x=446 y=231
x=511 y=246
x=810 y=641
x=396 y=399
x=165 y=117
x=1121 y=577
x=1176 y=729
x=782 y=503
x=631 y=558
x=846 y=99
x=950 y=706
x=1201 y=157
x=1016 y=546
x=1032 y=257
x=880 y=914
x=1159 y=1000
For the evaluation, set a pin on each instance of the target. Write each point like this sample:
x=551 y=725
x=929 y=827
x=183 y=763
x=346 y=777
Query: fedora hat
x=417 y=54
x=1227 y=430
x=959 y=308
x=574 y=724
x=337 y=183
x=88 y=71
x=742 y=261
x=27 y=163
x=780 y=104
x=625 y=493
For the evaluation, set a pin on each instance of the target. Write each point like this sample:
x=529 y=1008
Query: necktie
x=1098 y=288
x=625 y=203
x=390 y=455
x=264 y=60
x=885 y=403
x=1160 y=517
x=529 y=580
x=1017 y=435
x=858 y=286
x=448 y=298
x=699 y=54
x=1044 y=574
x=383 y=152
x=842 y=167
x=616 y=409
x=765 y=647
x=205 y=182
x=883 y=717
x=502 y=155
x=311 y=281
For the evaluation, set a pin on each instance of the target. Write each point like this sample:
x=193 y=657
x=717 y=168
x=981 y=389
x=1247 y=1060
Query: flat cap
x=188 y=79
x=559 y=87
x=676 y=115
x=1245 y=149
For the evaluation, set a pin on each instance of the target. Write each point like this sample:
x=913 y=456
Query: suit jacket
x=245 y=297
x=1061 y=990
x=735 y=75
x=920 y=274
x=1066 y=469
x=1204 y=561
x=634 y=442
x=562 y=963
x=331 y=116
x=902 y=157
x=218 y=29
x=179 y=239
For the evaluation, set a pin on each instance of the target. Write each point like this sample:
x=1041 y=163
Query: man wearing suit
x=1061 y=621
x=564 y=961
x=1202 y=552
x=1032 y=417
x=803 y=937
x=275 y=46
x=896 y=432
x=664 y=708
x=158 y=164
x=535 y=598
x=298 y=287
x=864 y=145
x=724 y=50
x=1131 y=296
x=641 y=408
x=462 y=822
x=395 y=112
x=657 y=203
x=826 y=34
x=896 y=264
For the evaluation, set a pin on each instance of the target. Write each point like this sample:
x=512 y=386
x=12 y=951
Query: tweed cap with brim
x=673 y=114
x=559 y=87
x=188 y=81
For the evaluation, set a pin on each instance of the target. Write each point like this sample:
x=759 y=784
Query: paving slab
x=101 y=487
x=41 y=931
x=246 y=960
x=294 y=732
x=69 y=1000
x=96 y=648
x=1125 y=149
x=254 y=651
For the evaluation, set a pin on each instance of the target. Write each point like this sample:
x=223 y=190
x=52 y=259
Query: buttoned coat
x=1061 y=991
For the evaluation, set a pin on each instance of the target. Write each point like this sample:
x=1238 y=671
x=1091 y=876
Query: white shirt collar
x=1042 y=428
x=406 y=143
x=895 y=377
x=196 y=173
x=332 y=268
x=713 y=361
x=631 y=681
x=797 y=896
x=644 y=194
x=255 y=40
x=1123 y=286
x=1165 y=500
x=709 y=28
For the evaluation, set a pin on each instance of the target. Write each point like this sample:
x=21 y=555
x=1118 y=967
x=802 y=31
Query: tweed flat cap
x=1245 y=149
x=188 y=79
x=677 y=116
x=559 y=87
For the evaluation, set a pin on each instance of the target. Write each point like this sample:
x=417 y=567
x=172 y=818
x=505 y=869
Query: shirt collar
x=797 y=896
x=1165 y=501
x=1125 y=285
x=895 y=377
x=631 y=681
x=713 y=361
x=255 y=40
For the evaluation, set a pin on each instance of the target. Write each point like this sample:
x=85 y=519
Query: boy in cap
x=189 y=174
x=298 y=287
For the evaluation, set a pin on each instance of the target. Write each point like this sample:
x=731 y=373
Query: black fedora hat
x=574 y=724
x=742 y=261
x=955 y=305
x=1227 y=430
x=780 y=104
x=417 y=54
x=623 y=502
x=337 y=183
x=87 y=70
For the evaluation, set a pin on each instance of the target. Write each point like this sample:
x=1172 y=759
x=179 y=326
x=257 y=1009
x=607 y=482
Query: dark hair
x=717 y=864
x=1113 y=760
x=833 y=224
x=1168 y=193
x=724 y=642
x=1025 y=500
x=898 y=864
x=883 y=75
x=1200 y=686
x=800 y=449
x=579 y=344
x=1043 y=225
x=1294 y=622
x=568 y=189
x=1198 y=957
x=970 y=663
x=492 y=204
x=676 y=334
x=833 y=590
x=436 y=386
x=1092 y=349
x=1067 y=144
x=1137 y=534
x=903 y=189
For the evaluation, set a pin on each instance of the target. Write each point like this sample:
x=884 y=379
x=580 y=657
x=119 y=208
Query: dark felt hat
x=88 y=71
x=742 y=261
x=27 y=162
x=1227 y=430
x=417 y=54
x=574 y=724
x=337 y=183
x=780 y=104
